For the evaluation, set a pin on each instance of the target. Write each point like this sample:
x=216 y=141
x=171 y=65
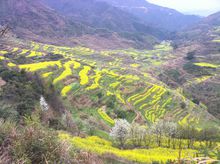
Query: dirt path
x=139 y=118
x=2 y=82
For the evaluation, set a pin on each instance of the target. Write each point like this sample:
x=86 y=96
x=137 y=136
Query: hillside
x=134 y=89
x=45 y=22
x=36 y=21
x=199 y=44
x=99 y=87
x=157 y=16
x=203 y=31
x=102 y=15
x=108 y=19
x=212 y=20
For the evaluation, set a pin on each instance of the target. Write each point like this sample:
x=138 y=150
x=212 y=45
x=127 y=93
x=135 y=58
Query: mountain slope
x=101 y=15
x=110 y=79
x=64 y=22
x=157 y=16
x=198 y=63
x=205 y=32
x=33 y=18
x=213 y=19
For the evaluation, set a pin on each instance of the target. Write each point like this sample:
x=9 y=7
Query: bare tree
x=3 y=30
x=170 y=130
x=137 y=134
x=158 y=130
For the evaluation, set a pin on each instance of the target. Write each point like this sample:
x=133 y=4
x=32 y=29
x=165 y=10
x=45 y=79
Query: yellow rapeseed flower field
x=38 y=66
x=83 y=74
x=105 y=116
x=100 y=146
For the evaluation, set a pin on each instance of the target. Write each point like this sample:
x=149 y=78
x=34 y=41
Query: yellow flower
x=11 y=64
x=83 y=74
x=105 y=116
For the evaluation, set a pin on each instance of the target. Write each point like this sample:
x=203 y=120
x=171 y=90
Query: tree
x=120 y=131
x=189 y=133
x=209 y=135
x=4 y=30
x=148 y=139
x=137 y=134
x=43 y=104
x=158 y=130
x=80 y=126
x=190 y=55
x=170 y=130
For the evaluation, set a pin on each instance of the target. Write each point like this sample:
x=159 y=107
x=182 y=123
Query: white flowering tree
x=43 y=104
x=120 y=131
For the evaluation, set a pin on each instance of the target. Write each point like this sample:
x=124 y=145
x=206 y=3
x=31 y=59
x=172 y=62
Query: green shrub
x=6 y=128
x=22 y=91
x=38 y=144
x=190 y=55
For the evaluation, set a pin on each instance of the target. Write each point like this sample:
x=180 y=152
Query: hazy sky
x=199 y=7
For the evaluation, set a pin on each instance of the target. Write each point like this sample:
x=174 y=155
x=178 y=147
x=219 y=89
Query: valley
x=127 y=76
x=108 y=82
x=91 y=83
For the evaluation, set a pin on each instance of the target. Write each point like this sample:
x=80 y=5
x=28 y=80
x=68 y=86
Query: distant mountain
x=101 y=15
x=65 y=20
x=204 y=31
x=213 y=19
x=136 y=23
x=157 y=16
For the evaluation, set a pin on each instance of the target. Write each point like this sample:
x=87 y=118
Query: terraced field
x=127 y=75
x=101 y=147
x=216 y=34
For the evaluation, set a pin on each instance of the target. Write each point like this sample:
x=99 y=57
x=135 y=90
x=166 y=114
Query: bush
x=22 y=92
x=6 y=128
x=183 y=105
x=120 y=113
x=34 y=143
x=190 y=55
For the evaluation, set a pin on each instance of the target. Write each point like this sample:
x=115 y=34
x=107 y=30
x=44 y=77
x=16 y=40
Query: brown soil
x=139 y=118
x=2 y=82
x=82 y=101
